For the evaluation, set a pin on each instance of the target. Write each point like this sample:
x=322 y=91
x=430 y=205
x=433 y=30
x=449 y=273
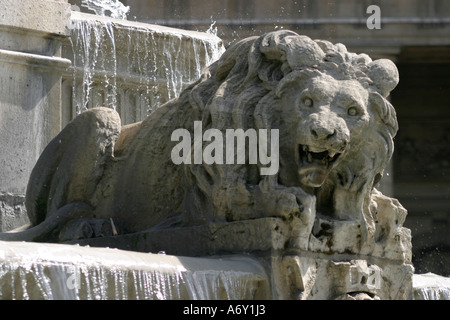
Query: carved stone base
x=296 y=273
x=310 y=276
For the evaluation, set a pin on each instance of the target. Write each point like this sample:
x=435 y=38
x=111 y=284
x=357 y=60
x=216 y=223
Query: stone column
x=31 y=34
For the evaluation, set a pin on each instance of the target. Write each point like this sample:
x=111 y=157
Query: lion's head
x=322 y=98
x=322 y=116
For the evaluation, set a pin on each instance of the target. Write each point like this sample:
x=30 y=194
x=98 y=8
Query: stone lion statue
x=335 y=128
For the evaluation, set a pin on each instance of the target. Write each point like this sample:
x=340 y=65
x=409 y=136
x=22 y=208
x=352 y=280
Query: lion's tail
x=49 y=227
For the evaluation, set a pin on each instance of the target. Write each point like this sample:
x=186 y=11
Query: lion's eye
x=308 y=102
x=352 y=111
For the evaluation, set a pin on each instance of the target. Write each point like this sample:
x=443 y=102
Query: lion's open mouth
x=315 y=164
x=325 y=158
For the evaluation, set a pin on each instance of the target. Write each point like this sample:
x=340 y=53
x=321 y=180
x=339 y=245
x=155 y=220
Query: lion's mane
x=233 y=93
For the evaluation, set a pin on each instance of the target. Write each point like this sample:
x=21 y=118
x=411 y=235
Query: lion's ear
x=384 y=75
x=292 y=50
x=385 y=111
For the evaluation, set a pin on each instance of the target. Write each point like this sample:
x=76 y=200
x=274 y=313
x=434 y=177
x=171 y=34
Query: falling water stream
x=112 y=57
x=429 y=286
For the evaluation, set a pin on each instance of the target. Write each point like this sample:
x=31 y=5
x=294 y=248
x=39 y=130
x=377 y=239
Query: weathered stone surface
x=12 y=211
x=318 y=278
x=28 y=14
x=30 y=86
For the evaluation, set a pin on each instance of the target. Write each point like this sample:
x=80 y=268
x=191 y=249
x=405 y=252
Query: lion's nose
x=330 y=136
x=322 y=133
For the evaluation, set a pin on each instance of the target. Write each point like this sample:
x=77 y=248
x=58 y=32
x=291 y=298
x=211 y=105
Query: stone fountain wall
x=31 y=70
x=129 y=66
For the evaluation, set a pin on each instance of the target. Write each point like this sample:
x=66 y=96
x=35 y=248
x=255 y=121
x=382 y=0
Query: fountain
x=129 y=223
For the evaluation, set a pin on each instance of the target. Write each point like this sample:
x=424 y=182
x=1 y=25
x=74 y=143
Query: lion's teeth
x=309 y=157
x=305 y=148
x=331 y=154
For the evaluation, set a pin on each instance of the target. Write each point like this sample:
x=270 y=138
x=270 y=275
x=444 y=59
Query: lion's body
x=321 y=98
x=143 y=178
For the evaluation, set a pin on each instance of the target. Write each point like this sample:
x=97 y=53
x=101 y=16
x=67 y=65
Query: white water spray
x=107 y=8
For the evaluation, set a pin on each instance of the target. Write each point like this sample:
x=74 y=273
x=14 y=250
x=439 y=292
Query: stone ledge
x=34 y=60
x=158 y=29
x=215 y=238
x=295 y=273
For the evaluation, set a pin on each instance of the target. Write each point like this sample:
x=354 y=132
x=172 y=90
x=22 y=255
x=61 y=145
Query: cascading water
x=430 y=286
x=94 y=62
x=71 y=272
x=123 y=64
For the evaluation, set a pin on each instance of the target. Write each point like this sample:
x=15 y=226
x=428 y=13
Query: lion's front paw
x=299 y=205
x=295 y=206
x=288 y=203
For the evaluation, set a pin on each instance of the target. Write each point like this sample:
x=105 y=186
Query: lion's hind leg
x=72 y=164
